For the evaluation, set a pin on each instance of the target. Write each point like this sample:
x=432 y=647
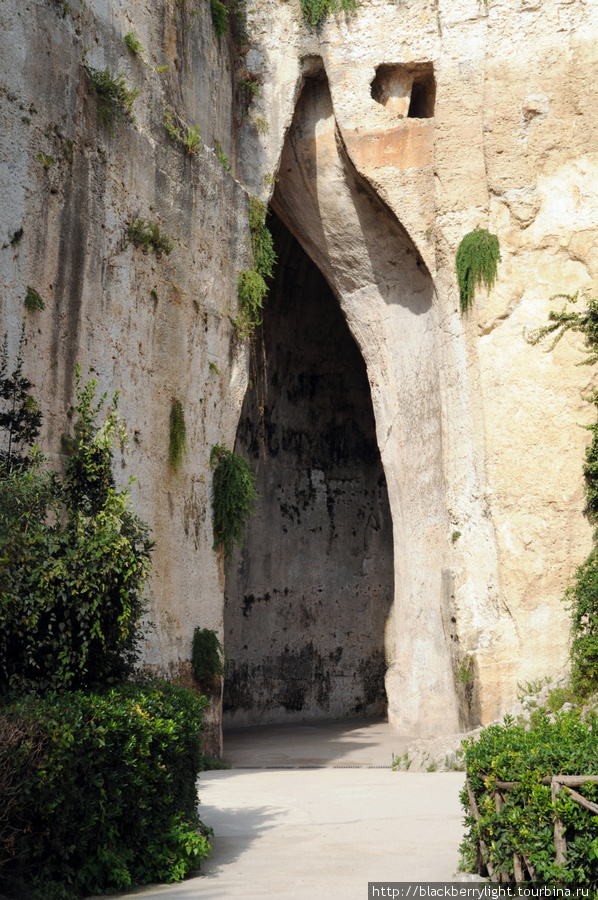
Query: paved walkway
x=308 y=813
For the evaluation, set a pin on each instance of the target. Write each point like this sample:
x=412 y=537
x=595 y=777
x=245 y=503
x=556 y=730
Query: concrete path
x=286 y=829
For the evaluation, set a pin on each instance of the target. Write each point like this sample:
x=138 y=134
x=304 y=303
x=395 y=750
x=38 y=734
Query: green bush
x=103 y=790
x=477 y=263
x=206 y=657
x=74 y=560
x=33 y=301
x=562 y=744
x=233 y=496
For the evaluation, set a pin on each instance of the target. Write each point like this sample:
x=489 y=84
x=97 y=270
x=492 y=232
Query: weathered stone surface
x=477 y=431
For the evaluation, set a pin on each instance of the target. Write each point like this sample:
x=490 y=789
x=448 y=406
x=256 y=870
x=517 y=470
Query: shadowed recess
x=308 y=596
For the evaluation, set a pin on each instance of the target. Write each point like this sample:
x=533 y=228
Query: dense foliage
x=206 y=657
x=477 y=263
x=74 y=560
x=233 y=496
x=559 y=744
x=100 y=790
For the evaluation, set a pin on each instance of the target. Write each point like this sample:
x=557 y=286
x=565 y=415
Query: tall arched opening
x=309 y=596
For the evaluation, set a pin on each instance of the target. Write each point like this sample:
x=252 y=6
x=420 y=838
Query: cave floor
x=315 y=811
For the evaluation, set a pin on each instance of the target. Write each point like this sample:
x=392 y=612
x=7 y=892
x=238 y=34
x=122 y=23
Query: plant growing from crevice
x=261 y=125
x=134 y=44
x=250 y=87
x=148 y=237
x=455 y=537
x=477 y=263
x=115 y=100
x=177 y=444
x=187 y=135
x=233 y=497
x=33 y=301
x=315 y=11
x=206 y=657
x=219 y=17
x=48 y=162
x=221 y=156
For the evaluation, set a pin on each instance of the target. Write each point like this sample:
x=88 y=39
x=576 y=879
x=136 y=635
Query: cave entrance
x=309 y=595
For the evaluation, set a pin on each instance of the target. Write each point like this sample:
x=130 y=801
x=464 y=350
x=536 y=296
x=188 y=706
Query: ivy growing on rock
x=233 y=496
x=477 y=263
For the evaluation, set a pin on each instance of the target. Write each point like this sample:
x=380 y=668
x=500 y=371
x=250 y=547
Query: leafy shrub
x=315 y=11
x=477 y=263
x=148 y=236
x=110 y=798
x=73 y=564
x=206 y=657
x=33 y=301
x=115 y=100
x=524 y=824
x=178 y=435
x=219 y=17
x=233 y=496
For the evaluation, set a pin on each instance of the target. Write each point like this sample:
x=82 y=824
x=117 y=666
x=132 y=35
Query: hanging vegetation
x=477 y=263
x=233 y=496
x=252 y=288
x=315 y=11
x=178 y=435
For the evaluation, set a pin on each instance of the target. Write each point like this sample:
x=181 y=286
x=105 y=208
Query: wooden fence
x=557 y=783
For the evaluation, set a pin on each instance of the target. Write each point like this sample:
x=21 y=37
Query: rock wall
x=392 y=132
x=147 y=326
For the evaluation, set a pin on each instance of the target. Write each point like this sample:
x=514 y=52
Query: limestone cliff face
x=391 y=134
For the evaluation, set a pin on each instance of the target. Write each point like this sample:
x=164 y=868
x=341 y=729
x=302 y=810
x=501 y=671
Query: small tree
x=20 y=417
x=74 y=560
